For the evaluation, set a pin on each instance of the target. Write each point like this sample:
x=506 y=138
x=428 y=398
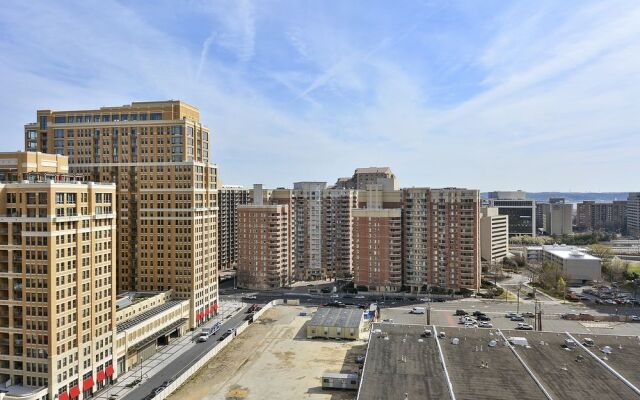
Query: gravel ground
x=273 y=359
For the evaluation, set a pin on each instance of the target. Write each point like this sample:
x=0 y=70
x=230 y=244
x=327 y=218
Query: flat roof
x=569 y=253
x=140 y=318
x=400 y=361
x=337 y=317
x=562 y=375
x=478 y=371
x=624 y=357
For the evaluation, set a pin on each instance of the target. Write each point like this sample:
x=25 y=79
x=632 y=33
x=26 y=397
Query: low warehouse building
x=336 y=323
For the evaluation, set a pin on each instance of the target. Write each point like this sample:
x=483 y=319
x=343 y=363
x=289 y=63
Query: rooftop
x=402 y=363
x=373 y=170
x=342 y=317
x=569 y=252
x=140 y=318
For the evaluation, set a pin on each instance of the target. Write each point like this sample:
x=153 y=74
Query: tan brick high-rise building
x=377 y=242
x=441 y=238
x=229 y=198
x=157 y=154
x=264 y=244
x=57 y=280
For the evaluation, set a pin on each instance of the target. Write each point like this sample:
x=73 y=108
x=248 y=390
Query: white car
x=425 y=300
x=524 y=327
x=471 y=324
x=335 y=296
x=360 y=297
x=484 y=324
x=635 y=318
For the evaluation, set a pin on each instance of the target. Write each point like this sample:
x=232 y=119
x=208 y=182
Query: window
x=156 y=116
x=43 y=122
x=105 y=118
x=31 y=135
x=58 y=133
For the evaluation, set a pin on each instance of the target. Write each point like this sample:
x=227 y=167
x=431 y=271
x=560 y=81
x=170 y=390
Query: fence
x=187 y=374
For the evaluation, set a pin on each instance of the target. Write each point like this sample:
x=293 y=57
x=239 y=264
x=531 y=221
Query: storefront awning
x=109 y=370
x=100 y=377
x=74 y=392
x=87 y=383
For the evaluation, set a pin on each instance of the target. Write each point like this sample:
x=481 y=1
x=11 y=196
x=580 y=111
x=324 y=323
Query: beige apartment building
x=377 y=242
x=494 y=235
x=157 y=154
x=57 y=280
x=229 y=198
x=441 y=229
x=363 y=177
x=264 y=244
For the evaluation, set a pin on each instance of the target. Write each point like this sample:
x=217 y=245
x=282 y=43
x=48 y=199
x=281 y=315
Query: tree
x=561 y=285
x=601 y=251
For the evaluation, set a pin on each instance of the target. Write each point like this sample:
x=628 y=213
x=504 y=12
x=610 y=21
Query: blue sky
x=481 y=94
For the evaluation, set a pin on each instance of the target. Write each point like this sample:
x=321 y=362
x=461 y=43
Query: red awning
x=206 y=310
x=100 y=377
x=215 y=307
x=63 y=396
x=109 y=370
x=87 y=383
x=74 y=392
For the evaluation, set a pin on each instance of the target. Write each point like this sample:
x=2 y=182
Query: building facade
x=557 y=217
x=520 y=210
x=264 y=246
x=57 y=280
x=363 y=177
x=633 y=214
x=337 y=206
x=441 y=243
x=157 y=154
x=229 y=198
x=577 y=266
x=610 y=217
x=494 y=235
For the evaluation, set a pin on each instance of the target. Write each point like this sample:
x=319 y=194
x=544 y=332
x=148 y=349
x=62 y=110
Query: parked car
x=635 y=318
x=461 y=312
x=224 y=336
x=510 y=314
x=348 y=296
x=483 y=318
x=517 y=318
x=360 y=297
x=470 y=324
x=425 y=300
x=325 y=290
x=478 y=313
x=249 y=297
x=524 y=327
x=389 y=320
x=528 y=315
x=484 y=324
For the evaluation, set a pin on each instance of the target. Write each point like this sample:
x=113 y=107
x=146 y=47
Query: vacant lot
x=273 y=359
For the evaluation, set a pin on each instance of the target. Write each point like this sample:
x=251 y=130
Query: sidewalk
x=163 y=357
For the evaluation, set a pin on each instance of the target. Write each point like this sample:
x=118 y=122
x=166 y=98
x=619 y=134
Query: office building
x=633 y=214
x=520 y=210
x=557 y=217
x=610 y=217
x=229 y=198
x=157 y=154
x=264 y=245
x=577 y=266
x=363 y=177
x=57 y=280
x=377 y=243
x=441 y=245
x=494 y=235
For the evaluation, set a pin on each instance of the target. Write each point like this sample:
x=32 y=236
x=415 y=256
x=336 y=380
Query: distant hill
x=575 y=197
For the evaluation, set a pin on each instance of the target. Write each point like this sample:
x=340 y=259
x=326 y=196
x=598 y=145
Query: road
x=183 y=361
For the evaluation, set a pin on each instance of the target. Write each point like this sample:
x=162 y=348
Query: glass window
x=87 y=118
x=31 y=134
x=43 y=122
x=124 y=117
x=70 y=133
x=133 y=117
x=105 y=118
x=58 y=143
x=115 y=117
x=59 y=119
x=156 y=116
x=79 y=118
x=143 y=116
x=58 y=133
x=96 y=118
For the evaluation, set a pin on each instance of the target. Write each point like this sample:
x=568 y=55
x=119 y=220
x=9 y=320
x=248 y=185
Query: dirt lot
x=273 y=359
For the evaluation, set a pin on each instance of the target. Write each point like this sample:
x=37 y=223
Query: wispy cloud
x=480 y=96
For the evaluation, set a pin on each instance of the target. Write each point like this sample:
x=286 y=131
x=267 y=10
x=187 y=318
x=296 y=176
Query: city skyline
x=484 y=96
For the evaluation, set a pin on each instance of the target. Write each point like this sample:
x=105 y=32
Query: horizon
x=472 y=95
